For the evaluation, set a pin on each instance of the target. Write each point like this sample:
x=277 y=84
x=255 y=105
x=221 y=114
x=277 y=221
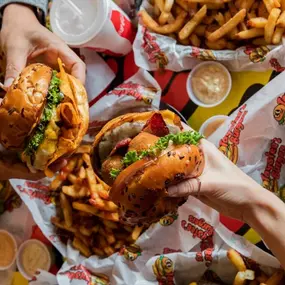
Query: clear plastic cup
x=97 y=24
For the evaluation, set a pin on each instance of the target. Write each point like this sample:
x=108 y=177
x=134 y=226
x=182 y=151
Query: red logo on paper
x=257 y=54
x=275 y=161
x=153 y=50
x=139 y=92
x=207 y=248
x=122 y=25
x=198 y=227
x=163 y=269
x=279 y=110
x=204 y=54
x=78 y=272
x=167 y=250
x=276 y=65
x=229 y=143
x=36 y=190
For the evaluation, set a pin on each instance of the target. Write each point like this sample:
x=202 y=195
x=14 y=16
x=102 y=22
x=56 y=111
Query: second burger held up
x=43 y=116
x=140 y=155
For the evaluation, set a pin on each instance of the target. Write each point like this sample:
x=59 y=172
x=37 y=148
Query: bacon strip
x=156 y=126
x=120 y=144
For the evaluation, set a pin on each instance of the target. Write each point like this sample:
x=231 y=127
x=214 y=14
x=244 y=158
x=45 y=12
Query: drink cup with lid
x=97 y=24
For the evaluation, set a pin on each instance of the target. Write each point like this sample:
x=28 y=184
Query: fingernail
x=8 y=81
x=172 y=191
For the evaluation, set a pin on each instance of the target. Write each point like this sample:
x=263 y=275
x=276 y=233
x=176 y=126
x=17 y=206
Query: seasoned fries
x=87 y=216
x=218 y=24
x=247 y=276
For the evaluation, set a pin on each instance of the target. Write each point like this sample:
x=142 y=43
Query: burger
x=139 y=156
x=44 y=116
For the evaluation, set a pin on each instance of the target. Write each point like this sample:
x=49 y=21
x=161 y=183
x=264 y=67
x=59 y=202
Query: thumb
x=185 y=188
x=16 y=61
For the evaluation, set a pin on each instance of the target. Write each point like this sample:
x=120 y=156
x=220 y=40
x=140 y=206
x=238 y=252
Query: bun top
x=23 y=104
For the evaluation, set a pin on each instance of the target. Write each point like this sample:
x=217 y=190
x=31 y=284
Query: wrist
x=16 y=11
x=266 y=209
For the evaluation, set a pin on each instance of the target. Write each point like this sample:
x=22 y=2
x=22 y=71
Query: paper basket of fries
x=243 y=35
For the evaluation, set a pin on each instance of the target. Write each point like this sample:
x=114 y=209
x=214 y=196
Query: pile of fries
x=245 y=275
x=248 y=276
x=218 y=24
x=85 y=214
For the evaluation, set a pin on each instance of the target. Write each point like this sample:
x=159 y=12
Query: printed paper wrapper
x=180 y=248
x=254 y=137
x=154 y=51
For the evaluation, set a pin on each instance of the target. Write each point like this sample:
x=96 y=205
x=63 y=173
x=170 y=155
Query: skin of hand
x=25 y=40
x=231 y=192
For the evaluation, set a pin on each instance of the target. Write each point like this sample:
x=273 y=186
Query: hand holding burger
x=140 y=155
x=44 y=116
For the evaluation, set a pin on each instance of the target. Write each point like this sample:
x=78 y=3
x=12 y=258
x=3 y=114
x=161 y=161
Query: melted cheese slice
x=48 y=147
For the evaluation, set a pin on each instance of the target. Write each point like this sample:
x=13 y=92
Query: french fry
x=104 y=245
x=231 y=46
x=98 y=251
x=119 y=244
x=85 y=148
x=277 y=36
x=166 y=29
x=168 y=5
x=111 y=225
x=243 y=276
x=159 y=4
x=86 y=232
x=200 y=30
x=281 y=20
x=188 y=29
x=250 y=34
x=76 y=191
x=217 y=45
x=163 y=18
x=276 y=278
x=257 y=22
x=66 y=209
x=236 y=259
x=72 y=178
x=108 y=216
x=55 y=221
x=227 y=27
x=85 y=208
x=182 y=4
x=247 y=4
x=270 y=26
x=77 y=243
x=259 y=42
x=108 y=234
x=269 y=4
x=103 y=205
x=220 y=19
x=136 y=233
x=282 y=5
x=194 y=40
x=82 y=173
x=57 y=182
x=79 y=163
x=251 y=15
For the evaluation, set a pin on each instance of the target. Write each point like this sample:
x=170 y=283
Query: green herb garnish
x=114 y=173
x=190 y=138
x=54 y=97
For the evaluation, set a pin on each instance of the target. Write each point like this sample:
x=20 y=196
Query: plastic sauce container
x=97 y=24
x=8 y=250
x=33 y=255
x=209 y=84
x=212 y=124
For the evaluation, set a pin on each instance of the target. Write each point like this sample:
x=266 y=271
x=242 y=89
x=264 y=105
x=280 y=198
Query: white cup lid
x=77 y=21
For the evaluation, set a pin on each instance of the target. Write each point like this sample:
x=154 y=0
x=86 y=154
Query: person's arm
x=40 y=4
x=267 y=217
x=224 y=187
